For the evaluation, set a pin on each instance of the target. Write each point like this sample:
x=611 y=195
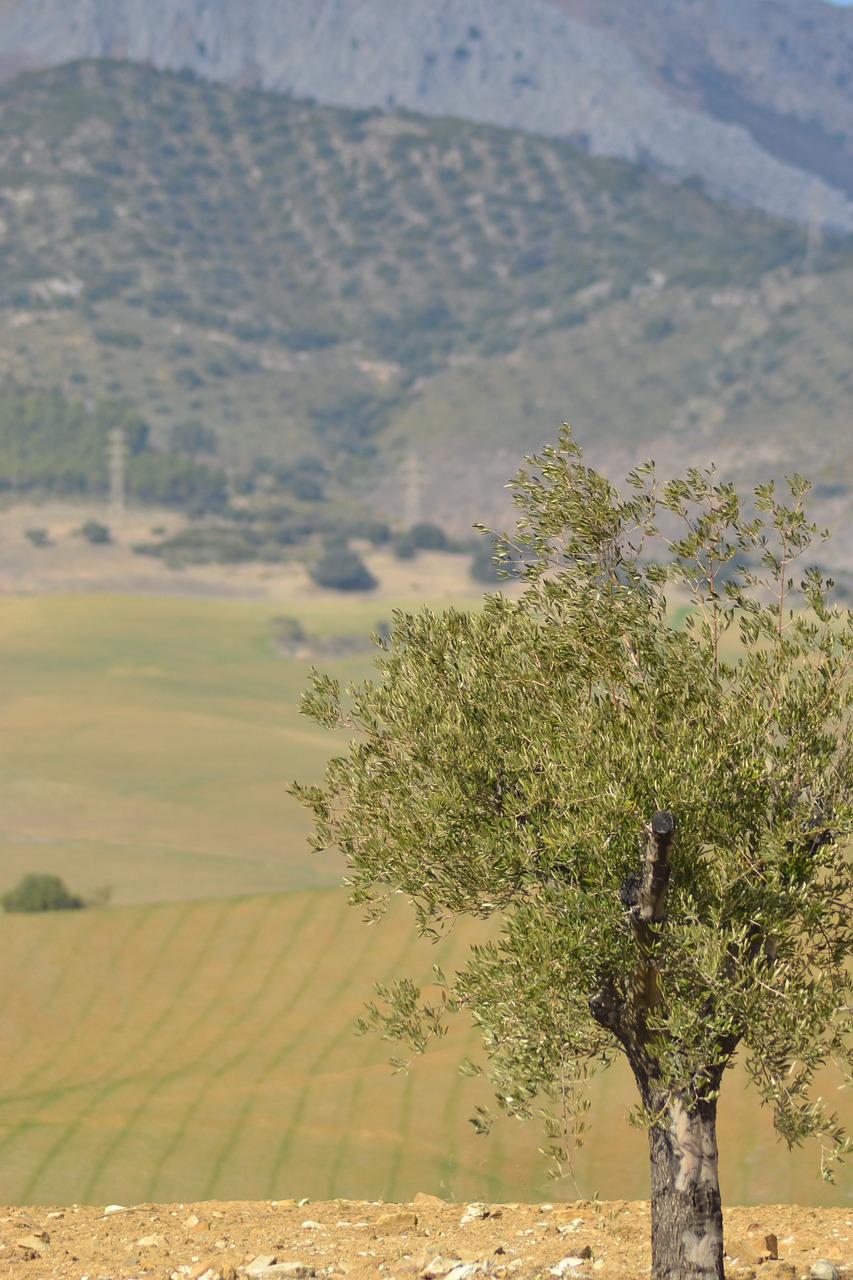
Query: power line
x=117 y=453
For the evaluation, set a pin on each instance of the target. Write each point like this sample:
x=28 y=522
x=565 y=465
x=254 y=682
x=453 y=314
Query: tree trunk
x=687 y=1215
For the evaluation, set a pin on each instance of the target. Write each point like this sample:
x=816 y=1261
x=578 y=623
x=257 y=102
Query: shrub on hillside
x=40 y=893
x=170 y=480
x=206 y=545
x=342 y=569
x=404 y=545
x=429 y=537
x=192 y=437
x=484 y=567
x=55 y=445
x=96 y=533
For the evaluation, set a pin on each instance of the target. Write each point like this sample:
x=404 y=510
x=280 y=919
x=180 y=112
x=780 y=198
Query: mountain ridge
x=738 y=94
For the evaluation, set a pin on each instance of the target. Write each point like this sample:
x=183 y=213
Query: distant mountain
x=753 y=96
x=414 y=302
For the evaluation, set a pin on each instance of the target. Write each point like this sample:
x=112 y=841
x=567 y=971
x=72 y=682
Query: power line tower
x=412 y=480
x=117 y=455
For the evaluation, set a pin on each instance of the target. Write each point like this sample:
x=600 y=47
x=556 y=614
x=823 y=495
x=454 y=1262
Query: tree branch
x=645 y=896
x=652 y=888
x=650 y=907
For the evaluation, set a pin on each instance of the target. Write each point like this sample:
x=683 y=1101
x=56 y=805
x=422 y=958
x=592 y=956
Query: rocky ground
x=425 y=1240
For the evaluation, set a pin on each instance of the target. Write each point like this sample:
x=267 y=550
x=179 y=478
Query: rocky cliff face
x=781 y=68
x=751 y=95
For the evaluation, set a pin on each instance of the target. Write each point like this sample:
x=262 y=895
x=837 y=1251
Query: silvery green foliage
x=505 y=762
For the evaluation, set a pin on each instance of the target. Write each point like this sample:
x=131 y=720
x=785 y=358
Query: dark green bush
x=55 y=445
x=404 y=545
x=96 y=533
x=342 y=569
x=192 y=437
x=429 y=537
x=40 y=893
x=658 y=328
x=211 y=545
x=119 y=338
x=483 y=566
x=170 y=480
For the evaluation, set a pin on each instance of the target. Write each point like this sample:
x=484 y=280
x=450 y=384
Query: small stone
x=394 y=1223
x=311 y=1225
x=424 y=1200
x=38 y=1241
x=823 y=1269
x=152 y=1242
x=466 y=1270
x=758 y=1247
x=115 y=1208
x=475 y=1212
x=567 y=1265
x=261 y=1263
x=440 y=1266
x=207 y=1270
x=761 y=1244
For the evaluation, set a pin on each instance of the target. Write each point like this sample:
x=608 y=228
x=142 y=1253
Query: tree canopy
x=652 y=802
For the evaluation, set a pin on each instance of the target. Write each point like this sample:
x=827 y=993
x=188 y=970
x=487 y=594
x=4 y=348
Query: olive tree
x=655 y=816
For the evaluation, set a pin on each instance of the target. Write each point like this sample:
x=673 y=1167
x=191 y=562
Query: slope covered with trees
x=304 y=280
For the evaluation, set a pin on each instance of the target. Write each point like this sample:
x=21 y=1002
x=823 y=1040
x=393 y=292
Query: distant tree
x=40 y=893
x=342 y=569
x=169 y=480
x=484 y=567
x=404 y=545
x=429 y=537
x=658 y=818
x=96 y=533
x=192 y=437
x=423 y=536
x=51 y=444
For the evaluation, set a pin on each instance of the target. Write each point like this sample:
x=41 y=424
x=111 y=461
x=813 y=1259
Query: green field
x=197 y=1040
x=147 y=744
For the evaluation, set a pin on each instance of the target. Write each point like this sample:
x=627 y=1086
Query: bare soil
x=378 y=1241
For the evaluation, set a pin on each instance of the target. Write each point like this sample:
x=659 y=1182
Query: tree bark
x=687 y=1215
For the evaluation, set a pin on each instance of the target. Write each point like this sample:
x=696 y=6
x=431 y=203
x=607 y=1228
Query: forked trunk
x=687 y=1215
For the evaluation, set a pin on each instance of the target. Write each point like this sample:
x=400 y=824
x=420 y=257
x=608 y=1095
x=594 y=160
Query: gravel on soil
x=427 y=1238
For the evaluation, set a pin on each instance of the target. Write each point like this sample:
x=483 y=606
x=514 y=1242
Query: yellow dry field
x=192 y=1051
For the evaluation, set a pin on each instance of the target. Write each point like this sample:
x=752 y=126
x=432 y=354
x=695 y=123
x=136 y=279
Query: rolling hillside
x=373 y=286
